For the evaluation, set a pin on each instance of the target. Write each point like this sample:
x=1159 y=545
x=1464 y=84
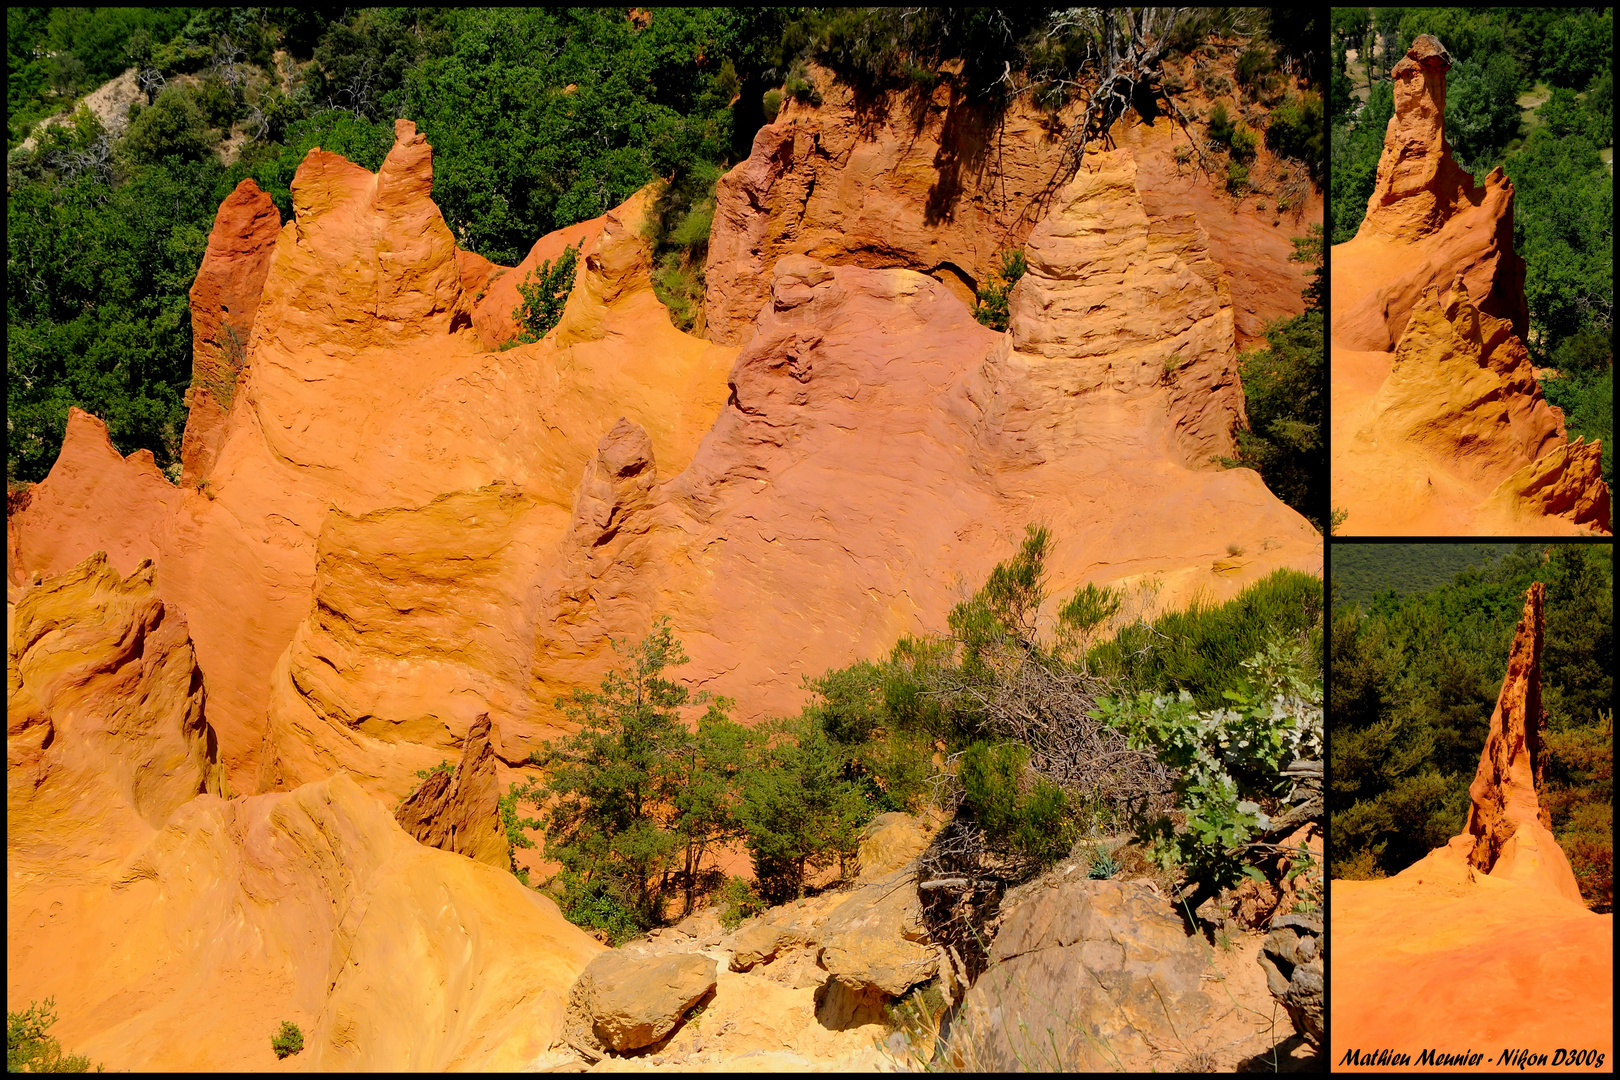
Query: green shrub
x=772 y=103
x=1298 y=129
x=545 y=294
x=30 y=1047
x=1226 y=760
x=1102 y=865
x=801 y=87
x=1221 y=125
x=599 y=904
x=517 y=836
x=1026 y=816
x=1244 y=142
x=737 y=901
x=1253 y=63
x=288 y=1041
x=1197 y=649
x=171 y=127
x=1237 y=179
x=992 y=309
x=800 y=807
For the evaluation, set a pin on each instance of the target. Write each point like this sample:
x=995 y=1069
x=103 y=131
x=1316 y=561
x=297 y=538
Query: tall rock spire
x=1511 y=831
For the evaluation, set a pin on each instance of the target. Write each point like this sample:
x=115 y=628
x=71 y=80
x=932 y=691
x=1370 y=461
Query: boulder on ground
x=876 y=937
x=890 y=841
x=1084 y=975
x=780 y=929
x=625 y=1002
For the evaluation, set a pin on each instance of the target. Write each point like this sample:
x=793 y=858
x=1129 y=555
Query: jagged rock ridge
x=1450 y=435
x=393 y=532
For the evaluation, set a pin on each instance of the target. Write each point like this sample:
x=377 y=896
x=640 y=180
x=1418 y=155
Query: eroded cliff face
x=1439 y=424
x=1486 y=939
x=933 y=181
x=397 y=547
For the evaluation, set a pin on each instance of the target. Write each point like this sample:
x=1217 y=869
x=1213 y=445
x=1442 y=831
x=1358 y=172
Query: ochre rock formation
x=1126 y=305
x=623 y=1002
x=105 y=733
x=224 y=301
x=393 y=531
x=1423 y=199
x=93 y=500
x=460 y=810
x=932 y=181
x=1450 y=434
x=312 y=906
x=1486 y=942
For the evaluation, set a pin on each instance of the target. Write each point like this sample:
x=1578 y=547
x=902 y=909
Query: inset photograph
x=1470 y=740
x=1471 y=204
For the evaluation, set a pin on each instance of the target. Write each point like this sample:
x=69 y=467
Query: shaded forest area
x=1414 y=680
x=539 y=118
x=1531 y=90
x=1360 y=571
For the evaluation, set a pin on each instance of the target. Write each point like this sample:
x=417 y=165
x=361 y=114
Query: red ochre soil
x=1483 y=945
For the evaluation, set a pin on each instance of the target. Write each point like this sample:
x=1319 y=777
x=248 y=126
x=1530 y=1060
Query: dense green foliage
x=1227 y=760
x=1361 y=571
x=544 y=292
x=30 y=1046
x=287 y=1041
x=1029 y=819
x=1414 y=681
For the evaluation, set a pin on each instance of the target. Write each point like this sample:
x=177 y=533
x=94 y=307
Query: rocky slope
x=1484 y=943
x=394 y=547
x=1439 y=425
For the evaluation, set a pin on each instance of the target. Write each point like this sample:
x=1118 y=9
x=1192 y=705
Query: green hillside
x=1361 y=571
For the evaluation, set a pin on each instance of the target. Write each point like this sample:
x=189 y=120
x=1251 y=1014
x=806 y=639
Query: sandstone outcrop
x=1485 y=941
x=1089 y=976
x=400 y=532
x=1451 y=434
x=1424 y=199
x=1114 y=304
x=460 y=810
x=937 y=190
x=94 y=500
x=1293 y=962
x=889 y=841
x=623 y=1002
x=311 y=905
x=224 y=301
x=105 y=732
x=931 y=181
x=876 y=938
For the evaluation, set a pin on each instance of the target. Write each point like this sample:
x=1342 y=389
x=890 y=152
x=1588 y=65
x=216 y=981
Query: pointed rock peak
x=459 y=811
x=1509 y=828
x=626 y=449
x=617 y=265
x=407 y=173
x=1419 y=185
